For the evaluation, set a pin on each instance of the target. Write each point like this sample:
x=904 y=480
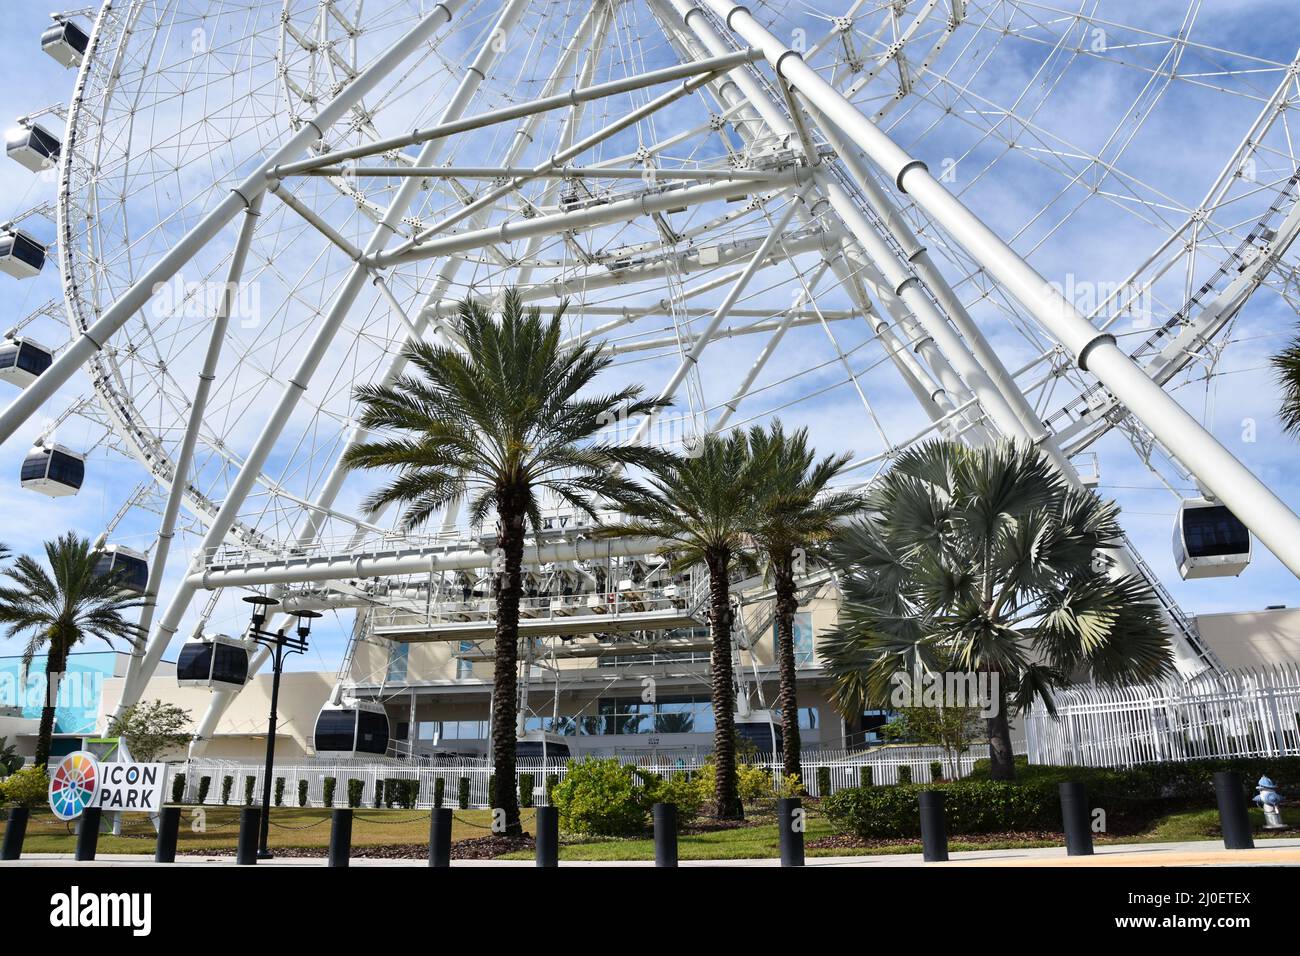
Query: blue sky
x=1096 y=248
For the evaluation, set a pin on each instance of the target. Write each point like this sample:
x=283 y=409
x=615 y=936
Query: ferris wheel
x=860 y=216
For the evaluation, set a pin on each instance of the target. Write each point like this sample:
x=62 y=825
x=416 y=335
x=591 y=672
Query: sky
x=1239 y=402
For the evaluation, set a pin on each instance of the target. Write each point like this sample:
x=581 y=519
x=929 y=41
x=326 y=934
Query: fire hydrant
x=1270 y=800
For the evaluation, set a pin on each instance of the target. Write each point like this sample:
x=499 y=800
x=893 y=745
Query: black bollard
x=790 y=826
x=169 y=826
x=1232 y=812
x=246 y=849
x=548 y=836
x=440 y=837
x=1075 y=816
x=665 y=815
x=934 y=829
x=15 y=832
x=88 y=834
x=340 y=836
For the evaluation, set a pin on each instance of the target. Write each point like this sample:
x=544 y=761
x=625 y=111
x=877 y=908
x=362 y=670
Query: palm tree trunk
x=56 y=661
x=505 y=676
x=1002 y=764
x=726 y=795
x=786 y=605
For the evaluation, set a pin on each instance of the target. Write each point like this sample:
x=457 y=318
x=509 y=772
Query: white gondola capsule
x=534 y=743
x=1209 y=541
x=33 y=146
x=65 y=42
x=217 y=662
x=354 y=728
x=131 y=567
x=53 y=470
x=762 y=728
x=23 y=360
x=20 y=255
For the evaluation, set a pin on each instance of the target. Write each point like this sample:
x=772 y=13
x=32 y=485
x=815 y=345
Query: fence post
x=15 y=833
x=548 y=836
x=88 y=834
x=665 y=815
x=169 y=825
x=246 y=847
x=1233 y=819
x=1075 y=815
x=340 y=836
x=790 y=826
x=934 y=829
x=440 y=837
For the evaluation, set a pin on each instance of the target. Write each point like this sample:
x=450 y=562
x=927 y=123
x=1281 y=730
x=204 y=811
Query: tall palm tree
x=702 y=507
x=1286 y=366
x=985 y=560
x=58 y=609
x=497 y=425
x=796 y=518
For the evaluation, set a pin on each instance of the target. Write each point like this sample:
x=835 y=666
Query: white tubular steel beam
x=416 y=561
x=558 y=172
x=692 y=357
x=1095 y=351
x=145 y=660
x=240 y=197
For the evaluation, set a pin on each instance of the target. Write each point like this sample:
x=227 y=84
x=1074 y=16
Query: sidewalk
x=1281 y=852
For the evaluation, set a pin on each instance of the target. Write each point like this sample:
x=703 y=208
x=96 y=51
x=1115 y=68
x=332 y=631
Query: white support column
x=240 y=197
x=1096 y=352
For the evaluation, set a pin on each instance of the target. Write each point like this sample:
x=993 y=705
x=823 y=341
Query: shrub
x=178 y=788
x=866 y=776
x=439 y=788
x=824 y=781
x=249 y=783
x=936 y=770
x=389 y=791
x=904 y=775
x=379 y=793
x=330 y=784
x=492 y=790
x=526 y=789
x=552 y=781
x=462 y=794
x=279 y=791
x=752 y=783
x=28 y=787
x=683 y=792
x=302 y=793
x=227 y=784
x=356 y=789
x=205 y=784
x=970 y=806
x=602 y=798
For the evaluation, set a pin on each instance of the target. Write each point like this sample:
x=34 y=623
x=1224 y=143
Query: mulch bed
x=478 y=848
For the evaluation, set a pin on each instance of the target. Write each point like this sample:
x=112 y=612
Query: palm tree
x=496 y=425
x=985 y=560
x=1286 y=365
x=58 y=609
x=702 y=507
x=796 y=518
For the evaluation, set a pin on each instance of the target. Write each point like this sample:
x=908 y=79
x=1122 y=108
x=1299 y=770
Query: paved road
x=1279 y=852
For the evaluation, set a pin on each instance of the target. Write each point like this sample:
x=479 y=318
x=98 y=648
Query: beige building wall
x=1253 y=638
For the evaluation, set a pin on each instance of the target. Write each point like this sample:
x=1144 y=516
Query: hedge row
x=1130 y=797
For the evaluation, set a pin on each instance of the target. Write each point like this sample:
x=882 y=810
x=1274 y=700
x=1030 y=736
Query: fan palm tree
x=1286 y=366
x=985 y=560
x=496 y=426
x=702 y=507
x=796 y=518
x=58 y=609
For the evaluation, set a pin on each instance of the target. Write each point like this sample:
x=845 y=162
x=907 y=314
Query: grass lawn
x=216 y=831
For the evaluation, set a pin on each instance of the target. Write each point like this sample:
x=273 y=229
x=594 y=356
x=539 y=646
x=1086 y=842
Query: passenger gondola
x=65 y=42
x=23 y=360
x=33 y=146
x=217 y=663
x=130 y=567
x=1209 y=541
x=53 y=470
x=20 y=255
x=761 y=728
x=353 y=728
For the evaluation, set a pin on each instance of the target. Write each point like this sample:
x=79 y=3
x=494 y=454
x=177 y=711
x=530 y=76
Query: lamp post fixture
x=281 y=646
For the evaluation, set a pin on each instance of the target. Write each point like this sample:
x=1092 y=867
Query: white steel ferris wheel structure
x=759 y=209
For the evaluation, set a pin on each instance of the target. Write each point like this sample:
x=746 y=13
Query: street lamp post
x=280 y=646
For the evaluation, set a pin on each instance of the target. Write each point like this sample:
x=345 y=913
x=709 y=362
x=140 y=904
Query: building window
x=803 y=638
x=464 y=668
x=398 y=657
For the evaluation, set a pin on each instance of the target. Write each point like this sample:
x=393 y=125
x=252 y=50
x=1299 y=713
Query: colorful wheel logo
x=73 y=785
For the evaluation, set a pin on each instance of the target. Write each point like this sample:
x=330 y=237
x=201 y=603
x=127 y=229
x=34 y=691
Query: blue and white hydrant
x=1270 y=800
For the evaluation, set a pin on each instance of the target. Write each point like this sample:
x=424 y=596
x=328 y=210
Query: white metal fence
x=1243 y=713
x=845 y=770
